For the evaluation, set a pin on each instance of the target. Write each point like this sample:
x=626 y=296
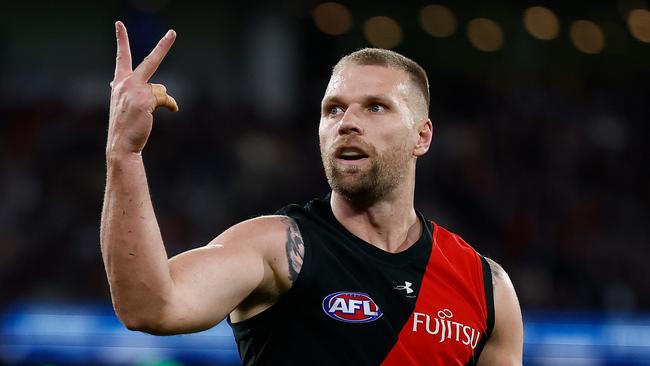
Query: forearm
x=132 y=247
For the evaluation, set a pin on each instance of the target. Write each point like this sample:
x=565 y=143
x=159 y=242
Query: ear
x=425 y=135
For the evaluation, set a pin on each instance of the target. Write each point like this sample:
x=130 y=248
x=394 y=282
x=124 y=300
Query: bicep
x=209 y=282
x=505 y=345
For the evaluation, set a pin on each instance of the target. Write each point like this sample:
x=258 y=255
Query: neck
x=390 y=224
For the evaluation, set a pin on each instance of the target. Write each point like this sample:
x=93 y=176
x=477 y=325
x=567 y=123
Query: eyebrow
x=336 y=99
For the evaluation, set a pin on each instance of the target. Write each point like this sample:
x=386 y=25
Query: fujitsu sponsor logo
x=445 y=328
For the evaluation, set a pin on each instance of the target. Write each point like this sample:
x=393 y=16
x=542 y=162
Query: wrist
x=117 y=150
x=114 y=156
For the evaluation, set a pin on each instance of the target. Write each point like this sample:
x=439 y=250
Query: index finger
x=150 y=63
x=123 y=59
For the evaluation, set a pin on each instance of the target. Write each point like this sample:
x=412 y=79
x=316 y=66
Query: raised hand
x=133 y=98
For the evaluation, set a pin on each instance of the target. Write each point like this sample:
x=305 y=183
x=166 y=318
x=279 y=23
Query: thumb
x=162 y=98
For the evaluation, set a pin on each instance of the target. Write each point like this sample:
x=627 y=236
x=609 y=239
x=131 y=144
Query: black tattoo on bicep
x=294 y=248
x=497 y=271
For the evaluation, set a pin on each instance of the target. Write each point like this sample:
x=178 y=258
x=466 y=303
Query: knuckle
x=118 y=88
x=122 y=86
x=129 y=82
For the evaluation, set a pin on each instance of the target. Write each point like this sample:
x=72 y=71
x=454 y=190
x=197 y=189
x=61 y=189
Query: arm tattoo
x=294 y=247
x=497 y=271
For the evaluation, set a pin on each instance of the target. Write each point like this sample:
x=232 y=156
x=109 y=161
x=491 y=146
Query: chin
x=356 y=189
x=361 y=185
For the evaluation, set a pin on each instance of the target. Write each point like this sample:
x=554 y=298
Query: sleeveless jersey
x=355 y=304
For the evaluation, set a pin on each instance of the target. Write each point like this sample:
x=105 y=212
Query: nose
x=349 y=123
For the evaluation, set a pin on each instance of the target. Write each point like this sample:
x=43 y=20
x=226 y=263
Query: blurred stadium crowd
x=539 y=156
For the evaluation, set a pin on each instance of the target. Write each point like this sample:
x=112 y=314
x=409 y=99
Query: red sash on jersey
x=451 y=320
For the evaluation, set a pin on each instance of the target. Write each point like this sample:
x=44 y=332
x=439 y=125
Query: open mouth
x=350 y=154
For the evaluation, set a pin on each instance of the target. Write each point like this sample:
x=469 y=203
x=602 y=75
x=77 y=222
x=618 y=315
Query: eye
x=376 y=108
x=334 y=110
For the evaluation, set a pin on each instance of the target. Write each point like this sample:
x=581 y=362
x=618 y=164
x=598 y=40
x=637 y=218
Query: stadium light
x=438 y=20
x=485 y=34
x=382 y=32
x=332 y=18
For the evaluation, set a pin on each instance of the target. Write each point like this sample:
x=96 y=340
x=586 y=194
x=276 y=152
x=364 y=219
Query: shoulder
x=276 y=238
x=450 y=239
x=499 y=275
x=504 y=290
x=258 y=232
x=505 y=345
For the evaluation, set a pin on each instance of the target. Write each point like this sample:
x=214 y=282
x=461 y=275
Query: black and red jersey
x=355 y=304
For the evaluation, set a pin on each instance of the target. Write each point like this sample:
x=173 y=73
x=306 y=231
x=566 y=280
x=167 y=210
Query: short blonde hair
x=387 y=58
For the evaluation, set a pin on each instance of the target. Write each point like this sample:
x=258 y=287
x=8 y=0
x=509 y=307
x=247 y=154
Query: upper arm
x=210 y=282
x=505 y=345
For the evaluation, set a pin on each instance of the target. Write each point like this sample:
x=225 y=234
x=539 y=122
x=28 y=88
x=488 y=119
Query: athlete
x=358 y=277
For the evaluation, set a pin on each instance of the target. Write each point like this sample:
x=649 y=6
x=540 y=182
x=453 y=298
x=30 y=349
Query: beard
x=369 y=184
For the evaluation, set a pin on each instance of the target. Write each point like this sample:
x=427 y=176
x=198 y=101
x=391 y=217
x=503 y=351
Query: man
x=356 y=278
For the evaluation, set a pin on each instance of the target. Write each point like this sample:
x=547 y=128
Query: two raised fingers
x=149 y=65
x=146 y=69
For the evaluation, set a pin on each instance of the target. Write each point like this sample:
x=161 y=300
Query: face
x=368 y=132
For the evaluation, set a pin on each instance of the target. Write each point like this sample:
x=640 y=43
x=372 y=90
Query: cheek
x=322 y=138
x=398 y=140
x=324 y=131
x=395 y=135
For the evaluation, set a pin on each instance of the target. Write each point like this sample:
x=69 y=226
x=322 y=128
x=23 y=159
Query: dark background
x=539 y=157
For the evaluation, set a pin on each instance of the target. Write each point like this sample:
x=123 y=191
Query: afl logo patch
x=351 y=307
